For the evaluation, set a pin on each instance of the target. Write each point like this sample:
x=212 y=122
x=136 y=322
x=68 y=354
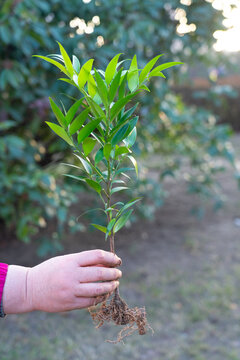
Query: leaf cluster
x=101 y=126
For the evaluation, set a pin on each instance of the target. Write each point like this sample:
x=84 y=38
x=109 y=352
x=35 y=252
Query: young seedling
x=100 y=127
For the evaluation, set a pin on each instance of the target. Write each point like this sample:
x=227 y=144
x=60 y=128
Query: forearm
x=15 y=292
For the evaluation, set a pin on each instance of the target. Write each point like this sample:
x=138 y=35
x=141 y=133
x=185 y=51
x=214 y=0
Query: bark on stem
x=112 y=249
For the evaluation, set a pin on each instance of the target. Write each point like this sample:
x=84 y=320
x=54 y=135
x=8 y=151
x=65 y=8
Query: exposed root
x=117 y=310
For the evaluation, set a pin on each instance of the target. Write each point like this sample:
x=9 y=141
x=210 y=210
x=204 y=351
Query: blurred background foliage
x=179 y=130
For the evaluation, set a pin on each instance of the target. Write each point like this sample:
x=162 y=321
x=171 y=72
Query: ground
x=184 y=270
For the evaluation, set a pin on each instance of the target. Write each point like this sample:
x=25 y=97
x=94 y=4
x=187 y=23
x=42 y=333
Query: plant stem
x=112 y=249
x=108 y=192
x=92 y=166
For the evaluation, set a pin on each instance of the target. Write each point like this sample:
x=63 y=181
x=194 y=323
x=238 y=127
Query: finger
x=81 y=303
x=101 y=265
x=94 y=257
x=93 y=274
x=96 y=289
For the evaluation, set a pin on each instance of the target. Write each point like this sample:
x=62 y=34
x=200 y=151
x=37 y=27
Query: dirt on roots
x=115 y=309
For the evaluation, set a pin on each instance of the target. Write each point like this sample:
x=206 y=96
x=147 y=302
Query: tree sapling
x=100 y=127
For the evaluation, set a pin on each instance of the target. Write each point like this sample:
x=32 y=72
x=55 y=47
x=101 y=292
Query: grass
x=189 y=281
x=184 y=309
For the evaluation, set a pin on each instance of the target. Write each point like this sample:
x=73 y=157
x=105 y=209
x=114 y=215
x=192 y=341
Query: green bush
x=189 y=138
x=29 y=195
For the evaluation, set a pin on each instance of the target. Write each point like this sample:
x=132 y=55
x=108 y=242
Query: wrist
x=16 y=293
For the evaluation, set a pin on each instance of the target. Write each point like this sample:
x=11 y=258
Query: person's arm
x=61 y=283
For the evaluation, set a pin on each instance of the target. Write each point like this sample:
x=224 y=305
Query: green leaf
x=128 y=113
x=79 y=121
x=167 y=65
x=79 y=178
x=99 y=156
x=100 y=227
x=134 y=162
x=121 y=62
x=132 y=76
x=64 y=110
x=114 y=86
x=88 y=145
x=72 y=111
x=107 y=150
x=128 y=205
x=84 y=73
x=60 y=132
x=99 y=138
x=114 y=205
x=96 y=109
x=94 y=185
x=144 y=87
x=102 y=73
x=118 y=188
x=75 y=80
x=71 y=165
x=102 y=90
x=57 y=57
x=148 y=68
x=120 y=171
x=92 y=88
x=85 y=164
x=86 y=131
x=54 y=62
x=76 y=64
x=123 y=81
x=121 y=150
x=126 y=176
x=68 y=81
x=156 y=73
x=101 y=129
x=57 y=112
x=123 y=119
x=109 y=227
x=111 y=68
x=120 y=135
x=66 y=59
x=117 y=107
x=119 y=181
x=131 y=124
x=130 y=140
x=122 y=221
x=97 y=98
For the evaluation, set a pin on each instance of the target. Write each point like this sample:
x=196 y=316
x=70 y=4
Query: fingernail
x=119 y=261
x=117 y=257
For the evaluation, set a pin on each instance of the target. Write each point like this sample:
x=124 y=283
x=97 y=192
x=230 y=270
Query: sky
x=227 y=40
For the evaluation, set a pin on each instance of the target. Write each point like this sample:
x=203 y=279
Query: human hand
x=67 y=282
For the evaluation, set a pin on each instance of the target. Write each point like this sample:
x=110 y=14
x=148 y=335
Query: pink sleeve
x=3 y=274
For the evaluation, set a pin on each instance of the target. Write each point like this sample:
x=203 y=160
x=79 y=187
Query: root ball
x=116 y=310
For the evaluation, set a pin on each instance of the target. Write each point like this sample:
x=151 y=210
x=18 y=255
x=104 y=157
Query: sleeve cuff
x=3 y=274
